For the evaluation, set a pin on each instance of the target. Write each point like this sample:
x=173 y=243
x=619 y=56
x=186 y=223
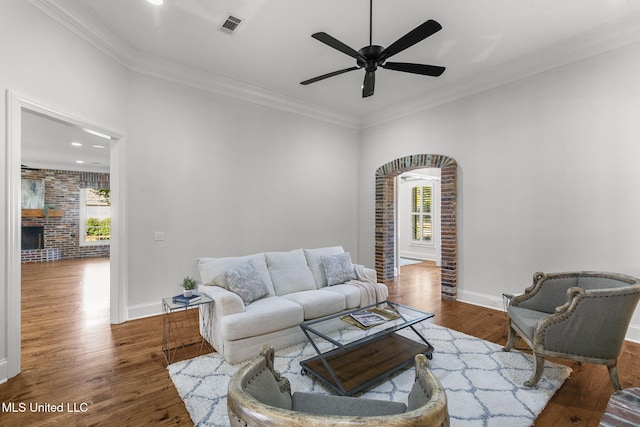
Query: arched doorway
x=385 y=232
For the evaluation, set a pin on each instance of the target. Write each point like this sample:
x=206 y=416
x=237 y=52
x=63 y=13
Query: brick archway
x=385 y=232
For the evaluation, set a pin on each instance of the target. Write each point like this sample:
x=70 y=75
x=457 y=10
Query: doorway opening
x=418 y=217
x=17 y=109
x=385 y=216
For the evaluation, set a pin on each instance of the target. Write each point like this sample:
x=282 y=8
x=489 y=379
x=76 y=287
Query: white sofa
x=297 y=285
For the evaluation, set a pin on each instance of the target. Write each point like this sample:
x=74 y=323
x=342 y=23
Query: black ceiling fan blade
x=407 y=67
x=338 y=45
x=414 y=36
x=326 y=76
x=369 y=84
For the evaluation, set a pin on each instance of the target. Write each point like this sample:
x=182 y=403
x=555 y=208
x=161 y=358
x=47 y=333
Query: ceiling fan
x=373 y=56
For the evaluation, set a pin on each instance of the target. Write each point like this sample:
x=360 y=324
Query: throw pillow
x=246 y=283
x=338 y=268
x=212 y=269
x=315 y=263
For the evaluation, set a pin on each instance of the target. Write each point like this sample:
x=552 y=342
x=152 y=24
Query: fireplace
x=32 y=237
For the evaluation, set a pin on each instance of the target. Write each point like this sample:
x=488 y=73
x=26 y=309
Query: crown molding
x=608 y=37
x=86 y=25
x=77 y=19
x=192 y=77
x=83 y=23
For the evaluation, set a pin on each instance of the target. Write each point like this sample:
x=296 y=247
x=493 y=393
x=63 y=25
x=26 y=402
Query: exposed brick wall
x=385 y=231
x=40 y=255
x=62 y=190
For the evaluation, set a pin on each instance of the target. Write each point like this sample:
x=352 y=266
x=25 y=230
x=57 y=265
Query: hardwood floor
x=116 y=374
x=71 y=354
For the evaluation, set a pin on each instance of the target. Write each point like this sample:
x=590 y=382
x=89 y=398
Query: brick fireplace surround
x=61 y=234
x=385 y=222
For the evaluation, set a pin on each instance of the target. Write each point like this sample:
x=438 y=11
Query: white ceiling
x=273 y=49
x=51 y=144
x=483 y=43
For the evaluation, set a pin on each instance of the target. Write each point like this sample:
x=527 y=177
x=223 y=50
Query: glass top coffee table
x=359 y=348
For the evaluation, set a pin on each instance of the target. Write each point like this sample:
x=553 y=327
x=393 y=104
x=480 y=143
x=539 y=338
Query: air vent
x=230 y=24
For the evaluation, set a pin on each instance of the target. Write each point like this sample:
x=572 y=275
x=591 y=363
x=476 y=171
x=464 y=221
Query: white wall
x=222 y=177
x=548 y=177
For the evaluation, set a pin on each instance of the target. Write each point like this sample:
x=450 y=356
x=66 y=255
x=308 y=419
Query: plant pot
x=187 y=292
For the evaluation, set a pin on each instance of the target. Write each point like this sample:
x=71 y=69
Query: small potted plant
x=189 y=284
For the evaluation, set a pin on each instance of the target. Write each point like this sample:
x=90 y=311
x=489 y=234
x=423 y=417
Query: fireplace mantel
x=40 y=213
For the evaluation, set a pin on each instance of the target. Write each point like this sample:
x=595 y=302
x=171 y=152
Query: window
x=95 y=216
x=421 y=213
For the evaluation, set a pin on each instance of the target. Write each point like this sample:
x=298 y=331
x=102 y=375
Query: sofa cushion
x=289 y=272
x=245 y=282
x=315 y=263
x=212 y=269
x=352 y=294
x=261 y=317
x=325 y=404
x=317 y=304
x=338 y=268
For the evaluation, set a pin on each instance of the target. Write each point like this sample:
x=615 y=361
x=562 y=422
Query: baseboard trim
x=4 y=371
x=483 y=300
x=417 y=255
x=141 y=311
x=633 y=333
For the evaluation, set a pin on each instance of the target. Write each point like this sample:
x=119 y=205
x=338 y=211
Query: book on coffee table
x=367 y=318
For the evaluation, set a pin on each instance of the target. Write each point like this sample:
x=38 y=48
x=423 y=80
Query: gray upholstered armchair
x=259 y=397
x=581 y=316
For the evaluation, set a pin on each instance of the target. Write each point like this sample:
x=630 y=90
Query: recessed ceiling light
x=76 y=144
x=97 y=146
x=156 y=2
x=80 y=161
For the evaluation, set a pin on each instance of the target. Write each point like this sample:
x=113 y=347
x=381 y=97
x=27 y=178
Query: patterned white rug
x=483 y=383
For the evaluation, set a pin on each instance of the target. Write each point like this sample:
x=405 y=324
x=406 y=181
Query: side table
x=179 y=321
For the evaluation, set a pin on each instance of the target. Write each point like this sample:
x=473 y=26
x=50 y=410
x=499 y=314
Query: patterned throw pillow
x=245 y=281
x=338 y=268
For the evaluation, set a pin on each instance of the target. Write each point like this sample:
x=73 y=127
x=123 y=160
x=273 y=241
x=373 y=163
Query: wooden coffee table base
x=366 y=364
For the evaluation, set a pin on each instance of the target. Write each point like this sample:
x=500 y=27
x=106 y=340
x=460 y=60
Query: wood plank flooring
x=115 y=375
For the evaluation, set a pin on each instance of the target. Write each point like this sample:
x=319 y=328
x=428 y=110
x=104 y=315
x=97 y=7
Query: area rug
x=483 y=383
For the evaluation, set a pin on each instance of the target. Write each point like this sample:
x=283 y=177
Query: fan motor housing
x=371 y=53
